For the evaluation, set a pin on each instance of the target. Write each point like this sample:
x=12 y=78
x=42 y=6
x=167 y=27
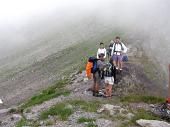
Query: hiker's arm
x=112 y=50
x=105 y=53
x=97 y=54
x=125 y=48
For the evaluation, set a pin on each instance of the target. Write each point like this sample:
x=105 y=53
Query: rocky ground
x=81 y=109
x=109 y=113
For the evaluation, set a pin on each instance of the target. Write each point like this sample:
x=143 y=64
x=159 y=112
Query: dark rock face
x=134 y=80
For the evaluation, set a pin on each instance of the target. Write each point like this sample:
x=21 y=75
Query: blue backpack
x=94 y=61
x=125 y=58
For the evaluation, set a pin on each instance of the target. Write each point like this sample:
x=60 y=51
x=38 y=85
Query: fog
x=36 y=26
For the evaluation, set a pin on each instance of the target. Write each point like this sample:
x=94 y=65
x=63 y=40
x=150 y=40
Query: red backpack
x=168 y=100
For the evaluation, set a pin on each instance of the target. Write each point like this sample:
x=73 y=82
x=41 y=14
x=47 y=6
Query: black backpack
x=109 y=70
x=115 y=46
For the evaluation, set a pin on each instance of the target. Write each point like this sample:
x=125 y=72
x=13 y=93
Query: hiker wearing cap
x=97 y=76
x=118 y=50
x=101 y=50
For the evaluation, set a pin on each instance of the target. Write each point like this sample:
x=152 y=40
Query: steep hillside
x=67 y=102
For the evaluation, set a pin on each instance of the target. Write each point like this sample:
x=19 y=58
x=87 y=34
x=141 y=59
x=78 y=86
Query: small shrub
x=90 y=106
x=60 y=110
x=141 y=98
x=21 y=123
x=83 y=119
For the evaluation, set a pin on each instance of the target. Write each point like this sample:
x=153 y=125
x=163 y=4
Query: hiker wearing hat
x=118 y=50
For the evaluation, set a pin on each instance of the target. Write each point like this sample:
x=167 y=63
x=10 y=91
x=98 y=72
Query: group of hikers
x=105 y=71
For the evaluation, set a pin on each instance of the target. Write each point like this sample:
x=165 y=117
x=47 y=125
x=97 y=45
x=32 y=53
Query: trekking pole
x=169 y=80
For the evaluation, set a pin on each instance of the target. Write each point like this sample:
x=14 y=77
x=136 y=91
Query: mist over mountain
x=33 y=30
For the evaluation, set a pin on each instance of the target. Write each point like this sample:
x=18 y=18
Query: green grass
x=83 y=119
x=140 y=114
x=61 y=110
x=21 y=123
x=49 y=122
x=51 y=92
x=13 y=110
x=88 y=106
x=91 y=125
x=142 y=98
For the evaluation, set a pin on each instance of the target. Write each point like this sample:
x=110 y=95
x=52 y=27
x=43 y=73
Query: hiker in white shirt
x=101 y=50
x=118 y=50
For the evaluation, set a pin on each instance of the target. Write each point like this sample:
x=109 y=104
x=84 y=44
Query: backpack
x=120 y=44
x=125 y=58
x=91 y=66
x=109 y=70
x=168 y=100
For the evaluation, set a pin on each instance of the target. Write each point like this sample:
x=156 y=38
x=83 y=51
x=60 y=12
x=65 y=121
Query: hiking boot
x=120 y=70
x=95 y=94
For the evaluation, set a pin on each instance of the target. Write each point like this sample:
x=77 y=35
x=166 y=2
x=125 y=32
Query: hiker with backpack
x=109 y=79
x=94 y=69
x=101 y=50
x=118 y=50
x=98 y=76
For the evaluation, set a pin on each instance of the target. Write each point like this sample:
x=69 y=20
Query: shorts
x=109 y=80
x=117 y=58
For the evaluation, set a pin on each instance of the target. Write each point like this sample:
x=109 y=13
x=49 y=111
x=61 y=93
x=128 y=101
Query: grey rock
x=104 y=123
x=112 y=109
x=152 y=123
x=16 y=117
x=4 y=112
x=130 y=116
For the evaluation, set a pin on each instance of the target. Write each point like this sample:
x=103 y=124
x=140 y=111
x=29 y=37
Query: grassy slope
x=74 y=58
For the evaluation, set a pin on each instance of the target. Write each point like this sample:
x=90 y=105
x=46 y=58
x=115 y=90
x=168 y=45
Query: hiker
x=93 y=70
x=97 y=76
x=101 y=50
x=109 y=79
x=109 y=51
x=118 y=50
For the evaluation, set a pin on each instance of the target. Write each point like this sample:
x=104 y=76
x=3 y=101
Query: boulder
x=16 y=117
x=112 y=109
x=152 y=123
x=4 y=112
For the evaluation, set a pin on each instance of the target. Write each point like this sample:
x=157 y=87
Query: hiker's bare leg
x=114 y=63
x=106 y=89
x=110 y=90
x=121 y=65
x=96 y=87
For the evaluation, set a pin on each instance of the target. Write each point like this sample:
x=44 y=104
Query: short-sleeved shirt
x=97 y=77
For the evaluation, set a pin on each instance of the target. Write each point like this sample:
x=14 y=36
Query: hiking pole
x=169 y=80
